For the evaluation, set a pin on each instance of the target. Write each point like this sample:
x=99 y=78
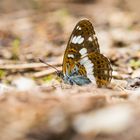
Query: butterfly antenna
x=42 y=61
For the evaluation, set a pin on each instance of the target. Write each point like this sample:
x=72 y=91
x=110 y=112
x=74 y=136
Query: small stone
x=3 y=88
x=108 y=120
x=23 y=83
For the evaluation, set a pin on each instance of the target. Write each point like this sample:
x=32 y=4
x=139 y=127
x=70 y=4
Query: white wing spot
x=89 y=64
x=89 y=39
x=73 y=39
x=77 y=39
x=80 y=40
x=70 y=55
x=78 y=27
x=83 y=51
x=89 y=67
x=83 y=60
x=90 y=71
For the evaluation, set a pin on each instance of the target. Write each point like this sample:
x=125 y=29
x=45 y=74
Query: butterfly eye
x=60 y=74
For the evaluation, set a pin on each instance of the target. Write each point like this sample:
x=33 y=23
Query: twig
x=25 y=66
x=45 y=72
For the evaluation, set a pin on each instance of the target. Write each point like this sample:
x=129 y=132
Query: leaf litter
x=35 y=105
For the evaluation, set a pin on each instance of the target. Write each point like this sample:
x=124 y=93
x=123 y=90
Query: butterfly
x=83 y=63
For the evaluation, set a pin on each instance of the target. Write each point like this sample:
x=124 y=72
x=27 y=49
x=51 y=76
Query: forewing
x=82 y=41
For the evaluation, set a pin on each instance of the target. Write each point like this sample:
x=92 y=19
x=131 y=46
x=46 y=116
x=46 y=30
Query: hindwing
x=102 y=69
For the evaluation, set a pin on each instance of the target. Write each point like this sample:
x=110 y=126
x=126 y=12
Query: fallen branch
x=26 y=66
x=45 y=72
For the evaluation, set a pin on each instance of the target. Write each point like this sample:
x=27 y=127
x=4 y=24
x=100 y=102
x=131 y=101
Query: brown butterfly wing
x=102 y=68
x=83 y=36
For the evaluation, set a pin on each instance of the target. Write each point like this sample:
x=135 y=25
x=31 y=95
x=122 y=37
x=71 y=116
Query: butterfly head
x=60 y=74
x=73 y=77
